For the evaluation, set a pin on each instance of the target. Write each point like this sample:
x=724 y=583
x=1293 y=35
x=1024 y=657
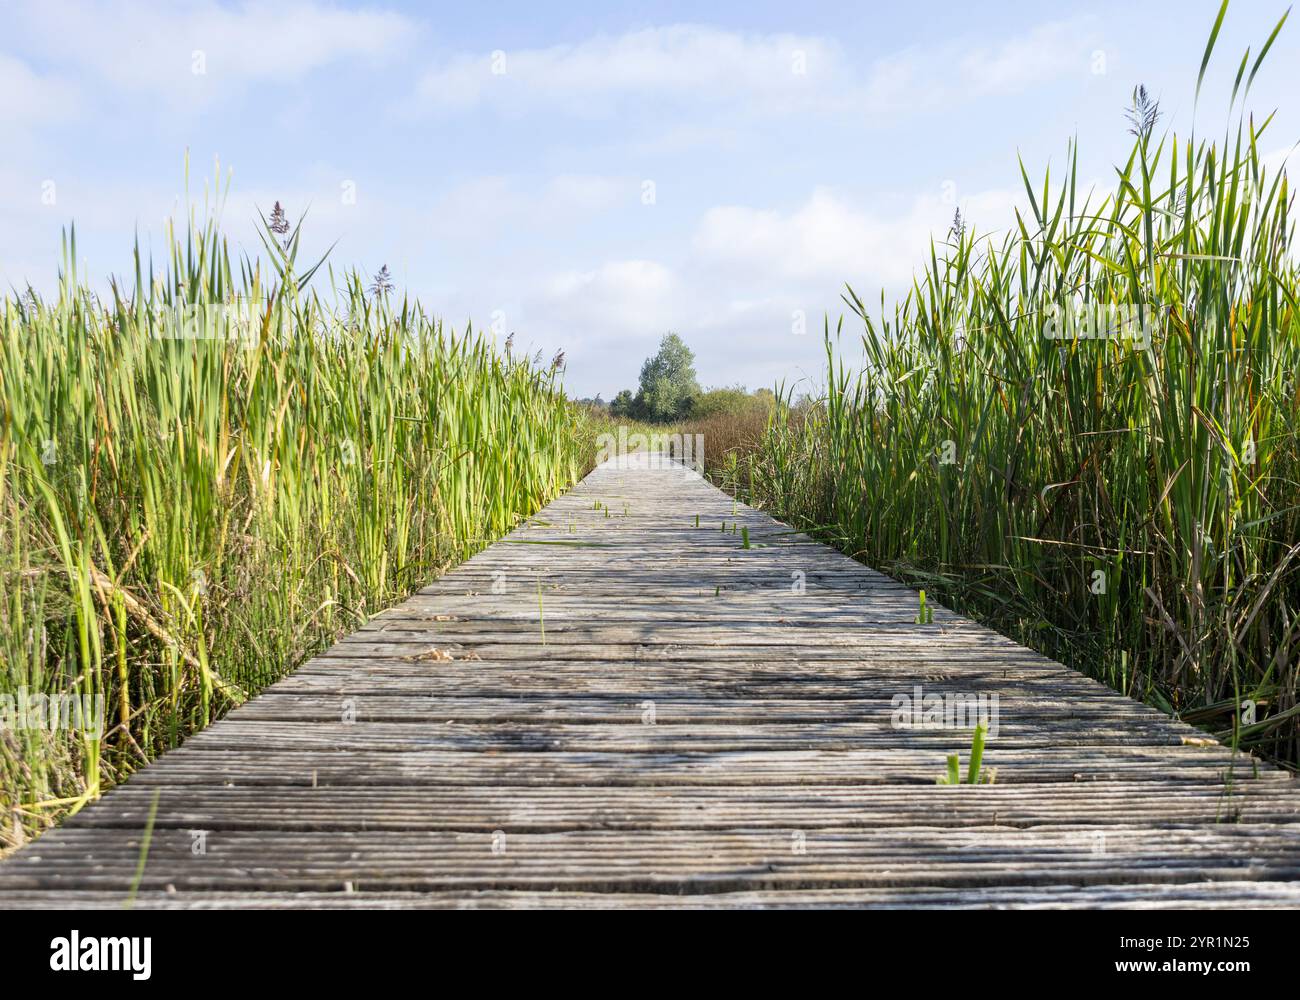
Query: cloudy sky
x=591 y=175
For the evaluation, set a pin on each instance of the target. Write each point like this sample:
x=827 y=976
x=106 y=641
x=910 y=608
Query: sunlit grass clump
x=1085 y=431
x=216 y=472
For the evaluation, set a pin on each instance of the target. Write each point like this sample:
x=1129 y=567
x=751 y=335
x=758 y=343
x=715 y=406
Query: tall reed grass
x=217 y=471
x=1124 y=497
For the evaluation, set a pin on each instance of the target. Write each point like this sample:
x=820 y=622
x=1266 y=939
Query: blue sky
x=589 y=176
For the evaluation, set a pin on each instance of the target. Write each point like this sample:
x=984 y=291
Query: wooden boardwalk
x=615 y=707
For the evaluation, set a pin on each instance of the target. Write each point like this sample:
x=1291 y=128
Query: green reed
x=214 y=471
x=1122 y=496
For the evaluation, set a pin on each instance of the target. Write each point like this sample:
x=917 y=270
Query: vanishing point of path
x=613 y=706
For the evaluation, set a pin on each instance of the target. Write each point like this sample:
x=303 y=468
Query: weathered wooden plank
x=633 y=737
x=414 y=706
x=663 y=861
x=790 y=807
x=1227 y=895
x=505 y=769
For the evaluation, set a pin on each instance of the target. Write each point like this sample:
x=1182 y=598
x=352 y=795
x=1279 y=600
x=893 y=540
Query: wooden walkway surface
x=613 y=706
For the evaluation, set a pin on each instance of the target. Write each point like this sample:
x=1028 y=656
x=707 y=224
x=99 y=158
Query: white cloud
x=777 y=73
x=637 y=290
x=139 y=46
x=480 y=208
x=829 y=240
x=1016 y=63
x=606 y=318
x=685 y=62
x=572 y=260
x=26 y=97
x=734 y=291
x=947 y=74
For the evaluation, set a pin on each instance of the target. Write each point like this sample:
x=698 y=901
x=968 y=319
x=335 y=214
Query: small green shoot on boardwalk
x=541 y=612
x=143 y=858
x=975 y=773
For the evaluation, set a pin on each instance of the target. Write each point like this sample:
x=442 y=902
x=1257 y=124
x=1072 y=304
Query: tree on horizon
x=668 y=386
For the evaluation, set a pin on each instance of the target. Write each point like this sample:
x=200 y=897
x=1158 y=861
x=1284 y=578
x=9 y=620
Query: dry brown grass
x=729 y=438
